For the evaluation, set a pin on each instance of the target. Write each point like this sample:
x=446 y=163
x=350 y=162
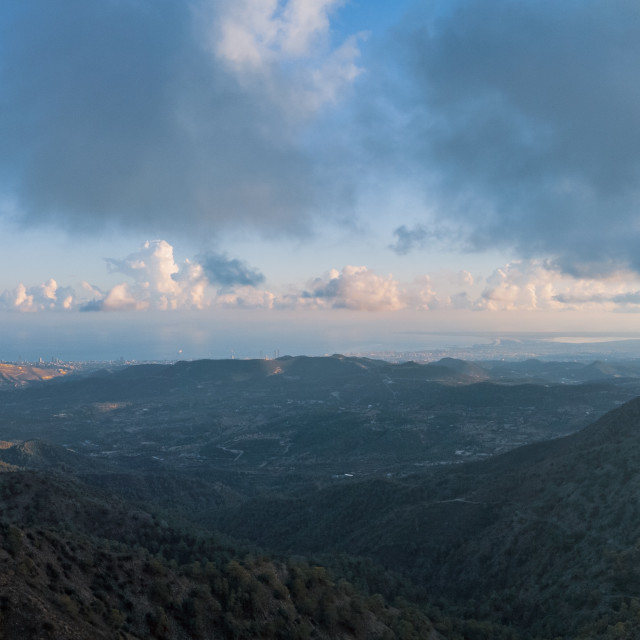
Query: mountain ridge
x=498 y=525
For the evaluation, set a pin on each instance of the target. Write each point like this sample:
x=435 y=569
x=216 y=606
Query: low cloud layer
x=155 y=281
x=538 y=286
x=44 y=297
x=355 y=288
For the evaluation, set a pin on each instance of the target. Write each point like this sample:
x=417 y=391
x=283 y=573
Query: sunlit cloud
x=155 y=281
x=158 y=282
x=534 y=285
x=122 y=298
x=355 y=287
x=47 y=296
x=253 y=33
x=422 y=295
x=519 y=286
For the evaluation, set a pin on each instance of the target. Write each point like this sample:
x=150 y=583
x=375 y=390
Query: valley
x=318 y=417
x=420 y=488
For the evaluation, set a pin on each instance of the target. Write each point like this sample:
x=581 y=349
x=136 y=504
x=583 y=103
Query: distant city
x=432 y=348
x=548 y=348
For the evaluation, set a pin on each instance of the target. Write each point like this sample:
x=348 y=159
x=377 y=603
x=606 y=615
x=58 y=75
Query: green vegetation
x=221 y=501
x=83 y=565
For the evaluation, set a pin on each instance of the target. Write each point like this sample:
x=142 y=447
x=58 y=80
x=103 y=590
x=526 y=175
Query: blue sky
x=314 y=173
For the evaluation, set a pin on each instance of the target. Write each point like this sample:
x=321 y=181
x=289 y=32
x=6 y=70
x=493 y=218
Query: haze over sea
x=148 y=337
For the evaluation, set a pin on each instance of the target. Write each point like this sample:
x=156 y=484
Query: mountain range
x=538 y=542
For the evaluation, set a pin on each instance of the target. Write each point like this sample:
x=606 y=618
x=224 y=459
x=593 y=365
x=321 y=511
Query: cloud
x=229 y=272
x=121 y=298
x=47 y=296
x=521 y=121
x=153 y=266
x=253 y=33
x=463 y=278
x=142 y=112
x=408 y=239
x=159 y=283
x=258 y=39
x=534 y=285
x=519 y=286
x=601 y=299
x=356 y=288
x=155 y=281
x=421 y=237
x=518 y=121
x=423 y=295
x=246 y=297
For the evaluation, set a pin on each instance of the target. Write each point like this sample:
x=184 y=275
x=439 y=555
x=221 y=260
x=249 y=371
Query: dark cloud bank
x=118 y=111
x=520 y=119
x=525 y=118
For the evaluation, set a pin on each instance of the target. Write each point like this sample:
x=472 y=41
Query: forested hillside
x=283 y=499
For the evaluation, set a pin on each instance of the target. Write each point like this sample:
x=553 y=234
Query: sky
x=201 y=178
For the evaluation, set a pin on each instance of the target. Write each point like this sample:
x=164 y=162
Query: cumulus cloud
x=122 y=298
x=158 y=282
x=153 y=266
x=355 y=287
x=44 y=297
x=522 y=120
x=534 y=285
x=141 y=112
x=527 y=286
x=422 y=295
